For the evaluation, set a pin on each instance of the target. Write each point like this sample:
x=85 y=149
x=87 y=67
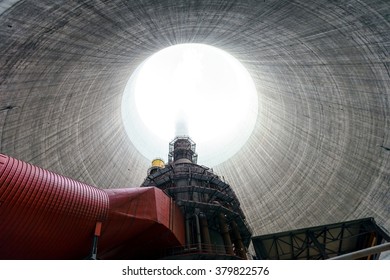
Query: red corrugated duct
x=141 y=223
x=44 y=215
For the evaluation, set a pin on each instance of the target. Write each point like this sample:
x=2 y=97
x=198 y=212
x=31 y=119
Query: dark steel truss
x=320 y=242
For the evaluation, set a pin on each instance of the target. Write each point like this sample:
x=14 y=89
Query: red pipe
x=44 y=215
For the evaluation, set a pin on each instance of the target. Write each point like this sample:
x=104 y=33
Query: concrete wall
x=320 y=150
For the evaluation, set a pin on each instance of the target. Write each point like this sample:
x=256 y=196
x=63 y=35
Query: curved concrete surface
x=320 y=151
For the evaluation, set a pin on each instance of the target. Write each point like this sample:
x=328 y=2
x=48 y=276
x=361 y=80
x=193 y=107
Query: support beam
x=198 y=238
x=240 y=248
x=341 y=238
x=320 y=247
x=225 y=234
x=205 y=232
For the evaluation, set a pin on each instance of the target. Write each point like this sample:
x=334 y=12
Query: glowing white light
x=195 y=90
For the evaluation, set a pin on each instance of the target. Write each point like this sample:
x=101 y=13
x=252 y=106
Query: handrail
x=364 y=252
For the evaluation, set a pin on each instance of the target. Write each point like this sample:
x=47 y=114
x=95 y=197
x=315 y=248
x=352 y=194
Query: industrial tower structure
x=181 y=211
x=215 y=226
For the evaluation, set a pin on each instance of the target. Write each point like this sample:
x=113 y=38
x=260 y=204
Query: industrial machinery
x=182 y=210
x=44 y=215
x=215 y=226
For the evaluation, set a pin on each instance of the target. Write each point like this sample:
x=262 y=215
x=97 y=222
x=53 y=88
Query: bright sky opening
x=194 y=90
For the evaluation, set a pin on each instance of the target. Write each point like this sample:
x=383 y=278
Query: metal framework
x=213 y=216
x=321 y=242
x=178 y=139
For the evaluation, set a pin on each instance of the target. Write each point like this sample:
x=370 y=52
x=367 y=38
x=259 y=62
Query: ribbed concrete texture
x=320 y=151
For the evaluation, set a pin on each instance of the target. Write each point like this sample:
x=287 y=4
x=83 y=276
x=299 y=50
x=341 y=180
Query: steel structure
x=215 y=225
x=321 y=242
x=183 y=210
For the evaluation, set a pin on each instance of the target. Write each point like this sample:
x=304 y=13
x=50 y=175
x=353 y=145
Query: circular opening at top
x=194 y=90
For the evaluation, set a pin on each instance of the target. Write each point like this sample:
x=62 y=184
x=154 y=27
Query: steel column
x=240 y=248
x=205 y=232
x=225 y=234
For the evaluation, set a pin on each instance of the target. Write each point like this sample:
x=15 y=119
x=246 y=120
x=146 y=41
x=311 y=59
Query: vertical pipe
x=225 y=234
x=198 y=239
x=205 y=232
x=188 y=237
x=240 y=248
